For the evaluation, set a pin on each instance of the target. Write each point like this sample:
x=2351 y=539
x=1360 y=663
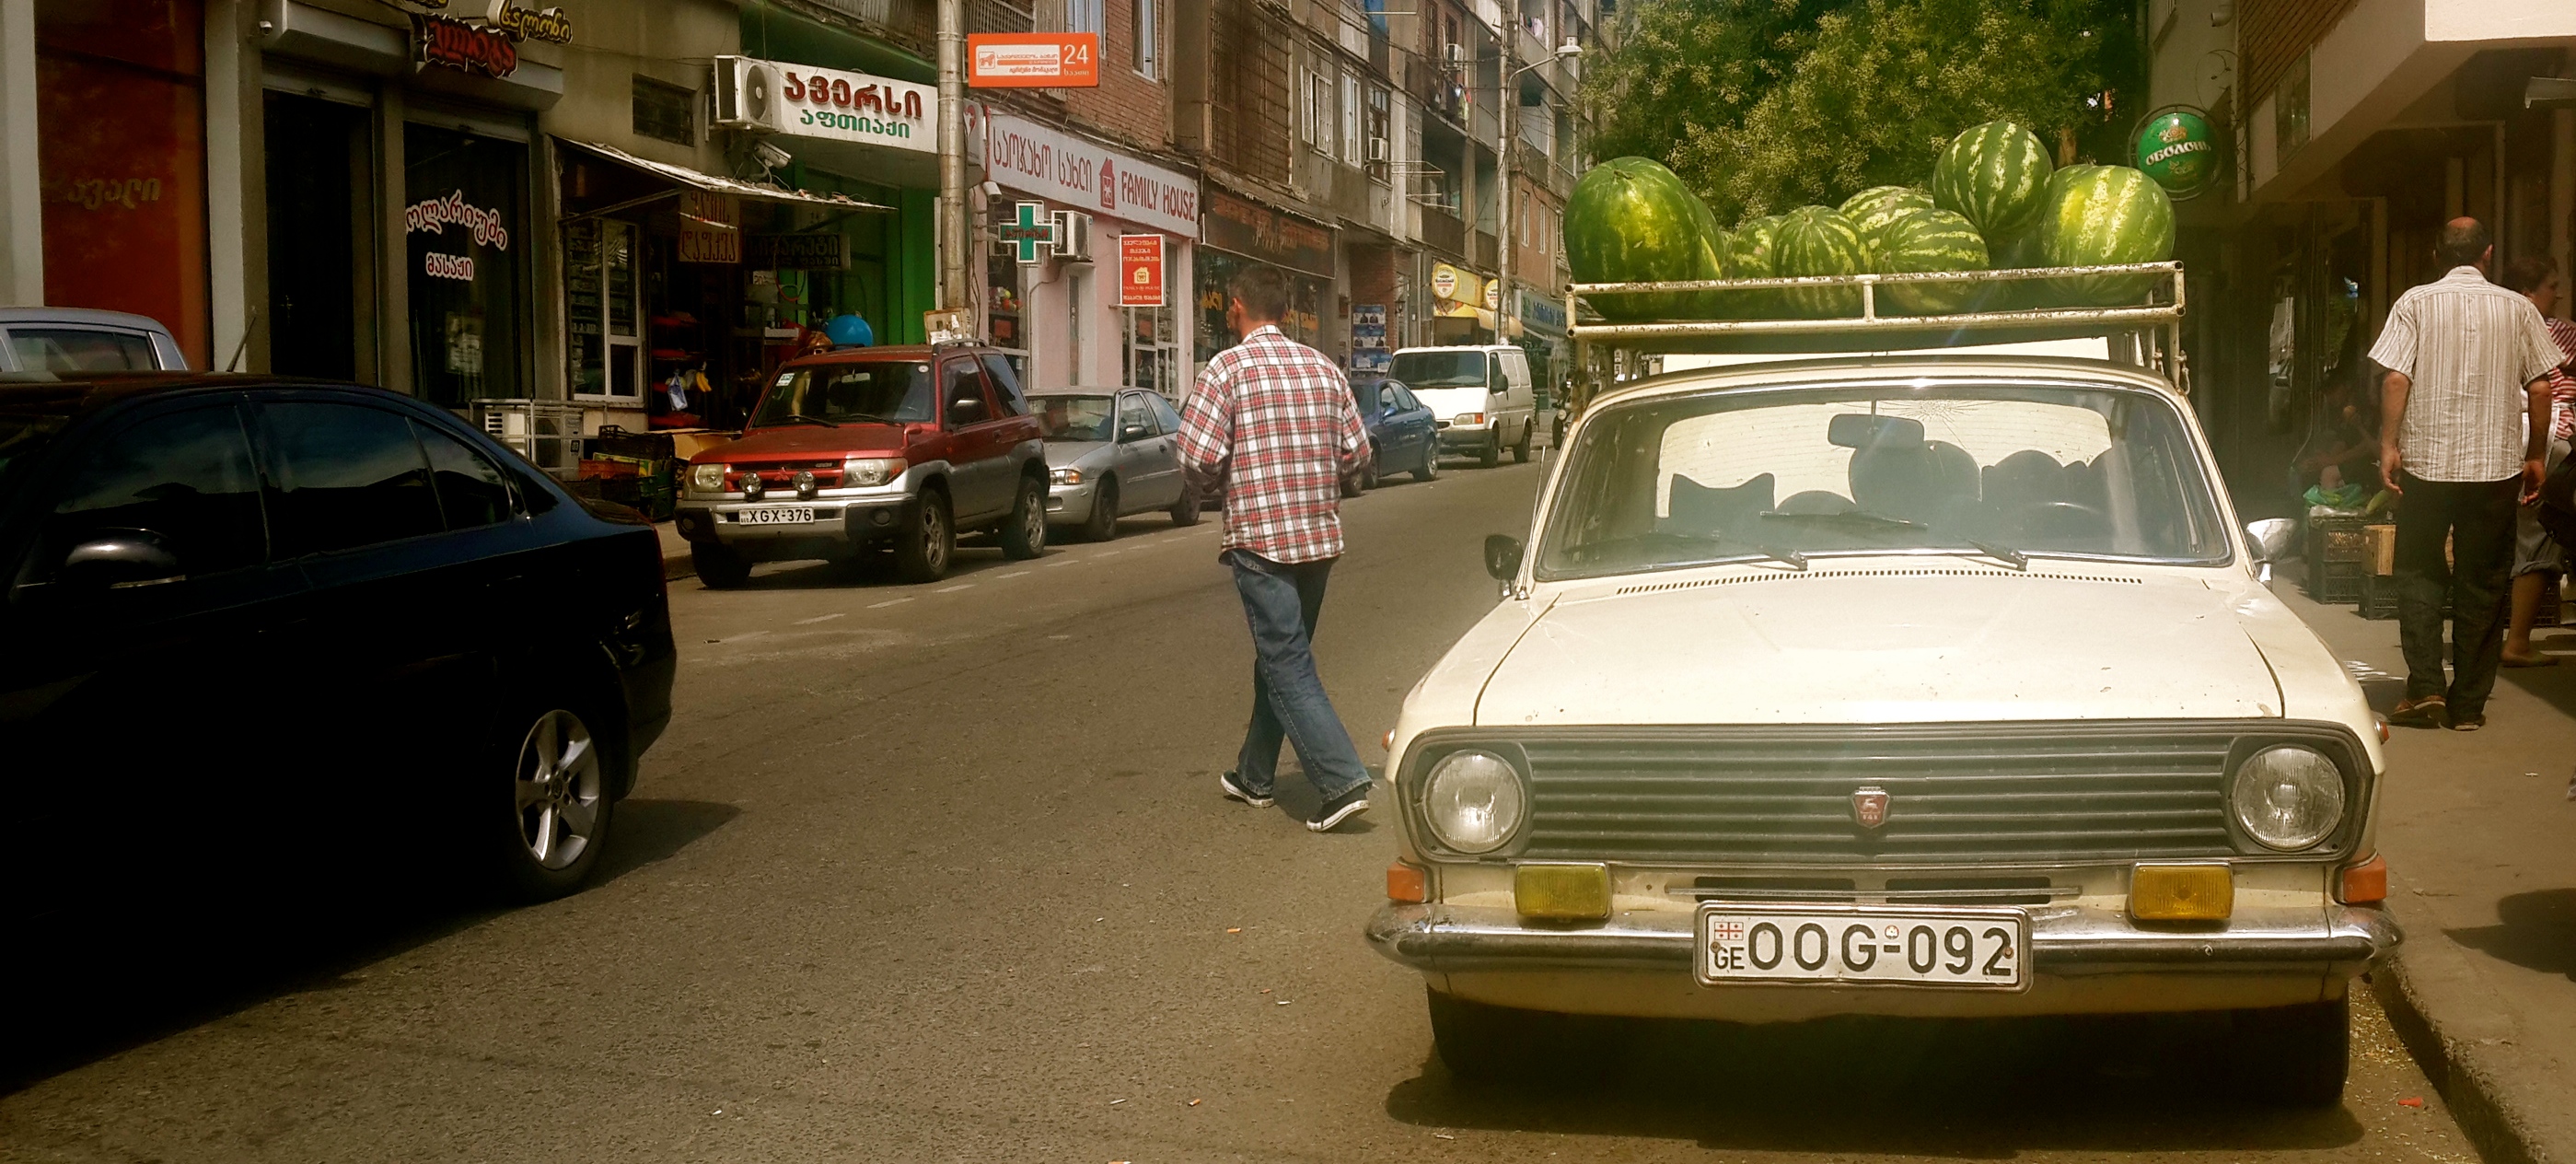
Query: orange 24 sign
x=1033 y=60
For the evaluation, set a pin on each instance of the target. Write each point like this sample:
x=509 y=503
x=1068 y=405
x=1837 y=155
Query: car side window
x=1006 y=384
x=471 y=490
x=185 y=476
x=81 y=349
x=341 y=476
x=1164 y=413
x=1132 y=413
x=960 y=380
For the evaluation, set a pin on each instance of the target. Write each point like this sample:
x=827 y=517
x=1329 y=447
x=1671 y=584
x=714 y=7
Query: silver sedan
x=1111 y=452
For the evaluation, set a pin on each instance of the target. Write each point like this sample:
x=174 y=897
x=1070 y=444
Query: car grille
x=1952 y=798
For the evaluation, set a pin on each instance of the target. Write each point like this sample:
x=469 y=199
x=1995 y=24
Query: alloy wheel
x=559 y=789
x=934 y=537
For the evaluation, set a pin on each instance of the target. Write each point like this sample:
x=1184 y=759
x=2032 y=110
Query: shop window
x=343 y=476
x=602 y=342
x=186 y=477
x=665 y=111
x=1153 y=352
x=1002 y=302
x=1148 y=38
x=465 y=208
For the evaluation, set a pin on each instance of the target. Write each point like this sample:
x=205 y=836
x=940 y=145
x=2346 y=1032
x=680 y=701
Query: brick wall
x=1127 y=106
x=2272 y=33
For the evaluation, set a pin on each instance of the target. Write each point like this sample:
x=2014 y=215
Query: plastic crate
x=2336 y=581
x=2379 y=596
x=613 y=441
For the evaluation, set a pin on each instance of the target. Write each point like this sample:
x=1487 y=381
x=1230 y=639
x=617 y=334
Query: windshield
x=1992 y=470
x=841 y=393
x=1439 y=369
x=1076 y=418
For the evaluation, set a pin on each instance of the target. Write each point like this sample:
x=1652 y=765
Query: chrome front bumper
x=2066 y=941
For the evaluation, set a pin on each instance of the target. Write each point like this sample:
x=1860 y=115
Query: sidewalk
x=675 y=552
x=2481 y=845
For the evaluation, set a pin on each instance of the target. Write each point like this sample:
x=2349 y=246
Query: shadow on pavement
x=1981 y=1088
x=2555 y=686
x=182 y=948
x=2538 y=932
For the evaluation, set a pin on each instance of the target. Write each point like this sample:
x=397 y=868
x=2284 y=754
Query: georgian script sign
x=812 y=251
x=1041 y=160
x=529 y=24
x=450 y=43
x=432 y=216
x=1259 y=232
x=1033 y=60
x=859 y=107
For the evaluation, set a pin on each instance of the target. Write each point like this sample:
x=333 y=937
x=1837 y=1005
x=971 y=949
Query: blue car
x=1403 y=435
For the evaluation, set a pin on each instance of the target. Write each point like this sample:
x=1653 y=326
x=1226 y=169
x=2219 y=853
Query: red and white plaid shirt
x=2562 y=381
x=1271 y=426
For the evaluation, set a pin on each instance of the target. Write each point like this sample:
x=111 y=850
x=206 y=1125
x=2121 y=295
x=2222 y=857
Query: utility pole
x=1510 y=86
x=954 y=237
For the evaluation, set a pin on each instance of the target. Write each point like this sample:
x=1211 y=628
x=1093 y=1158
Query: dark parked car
x=288 y=623
x=1403 y=434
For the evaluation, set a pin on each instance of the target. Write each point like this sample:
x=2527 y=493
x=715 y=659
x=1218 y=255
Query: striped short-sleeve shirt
x=2471 y=349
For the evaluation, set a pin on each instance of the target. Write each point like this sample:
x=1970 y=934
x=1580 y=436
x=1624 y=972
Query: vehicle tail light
x=2182 y=892
x=2365 y=883
x=1408 y=883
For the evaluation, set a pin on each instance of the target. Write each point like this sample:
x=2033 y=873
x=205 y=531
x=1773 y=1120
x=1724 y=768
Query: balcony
x=1488 y=255
x=1443 y=230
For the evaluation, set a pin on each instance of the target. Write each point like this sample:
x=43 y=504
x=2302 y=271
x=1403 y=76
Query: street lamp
x=1509 y=237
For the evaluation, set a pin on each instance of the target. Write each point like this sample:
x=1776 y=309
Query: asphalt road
x=940 y=873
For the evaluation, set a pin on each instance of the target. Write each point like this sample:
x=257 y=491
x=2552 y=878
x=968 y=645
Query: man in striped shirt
x=2468 y=365
x=1271 y=428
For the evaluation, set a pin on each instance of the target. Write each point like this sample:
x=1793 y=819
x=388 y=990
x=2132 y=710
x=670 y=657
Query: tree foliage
x=1762 y=105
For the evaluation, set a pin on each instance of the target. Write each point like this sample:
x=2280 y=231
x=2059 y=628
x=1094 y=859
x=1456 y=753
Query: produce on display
x=1631 y=221
x=2100 y=216
x=1814 y=240
x=1928 y=240
x=1748 y=251
x=1994 y=174
x=1872 y=209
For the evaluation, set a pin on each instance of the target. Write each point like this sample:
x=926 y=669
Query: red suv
x=868 y=449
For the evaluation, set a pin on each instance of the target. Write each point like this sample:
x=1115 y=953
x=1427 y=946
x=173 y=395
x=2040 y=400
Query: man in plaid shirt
x=1271 y=428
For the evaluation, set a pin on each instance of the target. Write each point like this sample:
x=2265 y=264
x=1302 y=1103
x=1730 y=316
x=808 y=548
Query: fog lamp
x=1567 y=892
x=2182 y=892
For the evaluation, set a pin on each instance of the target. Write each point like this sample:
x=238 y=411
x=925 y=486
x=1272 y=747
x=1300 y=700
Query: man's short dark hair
x=1262 y=290
x=2462 y=243
x=2528 y=273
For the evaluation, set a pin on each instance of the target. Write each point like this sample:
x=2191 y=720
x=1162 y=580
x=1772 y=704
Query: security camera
x=991 y=189
x=770 y=155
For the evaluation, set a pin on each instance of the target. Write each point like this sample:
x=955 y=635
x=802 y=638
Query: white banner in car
x=1034 y=158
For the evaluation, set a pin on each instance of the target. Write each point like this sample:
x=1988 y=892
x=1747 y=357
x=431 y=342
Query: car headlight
x=1066 y=476
x=707 y=478
x=2288 y=797
x=870 y=472
x=1473 y=801
x=1468 y=418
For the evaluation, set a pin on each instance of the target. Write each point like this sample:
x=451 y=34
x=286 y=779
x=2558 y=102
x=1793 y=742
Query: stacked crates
x=635 y=470
x=2339 y=556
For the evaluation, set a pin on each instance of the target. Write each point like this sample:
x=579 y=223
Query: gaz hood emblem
x=1869 y=806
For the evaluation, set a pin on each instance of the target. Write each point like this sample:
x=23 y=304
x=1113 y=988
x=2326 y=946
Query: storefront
x=1463 y=304
x=1240 y=231
x=1542 y=335
x=121 y=155
x=1063 y=312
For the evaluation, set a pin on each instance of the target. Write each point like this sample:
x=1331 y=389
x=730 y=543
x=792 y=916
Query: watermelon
x=2101 y=216
x=1814 y=240
x=1871 y=209
x=1748 y=256
x=1927 y=240
x=1630 y=220
x=1712 y=239
x=2014 y=252
x=1995 y=174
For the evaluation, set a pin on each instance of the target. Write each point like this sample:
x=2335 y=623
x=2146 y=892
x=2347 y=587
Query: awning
x=683 y=177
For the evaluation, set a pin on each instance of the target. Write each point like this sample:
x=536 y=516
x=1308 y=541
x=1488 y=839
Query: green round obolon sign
x=2177 y=149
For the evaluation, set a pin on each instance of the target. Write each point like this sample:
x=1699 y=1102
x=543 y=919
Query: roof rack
x=2147 y=334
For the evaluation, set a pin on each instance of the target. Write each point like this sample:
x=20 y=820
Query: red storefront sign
x=453 y=44
x=1140 y=270
x=1033 y=60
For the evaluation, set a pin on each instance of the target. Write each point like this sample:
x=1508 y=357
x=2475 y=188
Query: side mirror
x=2271 y=540
x=1502 y=556
x=1133 y=432
x=119 y=559
x=965 y=410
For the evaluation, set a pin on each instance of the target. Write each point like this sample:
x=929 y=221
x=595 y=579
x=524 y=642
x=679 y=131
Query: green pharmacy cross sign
x=1029 y=231
x=2177 y=149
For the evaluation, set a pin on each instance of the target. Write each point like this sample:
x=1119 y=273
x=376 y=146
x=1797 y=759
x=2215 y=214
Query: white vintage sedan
x=1945 y=686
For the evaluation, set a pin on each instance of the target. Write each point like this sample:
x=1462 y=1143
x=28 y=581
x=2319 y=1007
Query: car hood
x=1060 y=454
x=811 y=442
x=1841 y=644
x=1448 y=402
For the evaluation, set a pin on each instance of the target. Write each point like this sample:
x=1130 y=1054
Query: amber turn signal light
x=2182 y=892
x=1562 y=892
x=2365 y=883
x=1407 y=883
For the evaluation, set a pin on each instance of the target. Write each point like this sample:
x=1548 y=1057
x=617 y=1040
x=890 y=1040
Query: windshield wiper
x=2004 y=554
x=801 y=418
x=1668 y=537
x=1847 y=517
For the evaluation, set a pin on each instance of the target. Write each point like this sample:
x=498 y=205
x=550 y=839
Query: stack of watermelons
x=1995 y=202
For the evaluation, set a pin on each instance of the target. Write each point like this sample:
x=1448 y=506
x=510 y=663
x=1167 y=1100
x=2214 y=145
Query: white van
x=1482 y=397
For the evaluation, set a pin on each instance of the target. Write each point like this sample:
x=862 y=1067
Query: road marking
x=1014 y=574
x=742 y=636
x=818 y=618
x=886 y=603
x=954 y=589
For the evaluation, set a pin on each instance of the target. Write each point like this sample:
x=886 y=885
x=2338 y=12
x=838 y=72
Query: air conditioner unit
x=1457 y=54
x=1072 y=235
x=746 y=94
x=1377 y=149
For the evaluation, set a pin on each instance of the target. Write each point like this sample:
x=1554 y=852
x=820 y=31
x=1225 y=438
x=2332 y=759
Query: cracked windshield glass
x=1998 y=471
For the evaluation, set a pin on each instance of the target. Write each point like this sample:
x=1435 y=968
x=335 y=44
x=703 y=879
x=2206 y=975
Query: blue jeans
x=1282 y=602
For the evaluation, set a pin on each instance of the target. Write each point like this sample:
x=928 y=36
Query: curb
x=676 y=565
x=2464 y=1037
